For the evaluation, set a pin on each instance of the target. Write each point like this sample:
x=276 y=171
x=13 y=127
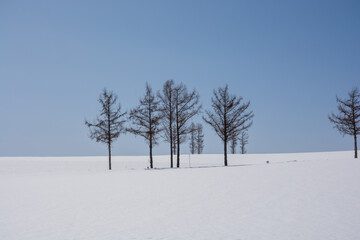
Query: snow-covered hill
x=295 y=196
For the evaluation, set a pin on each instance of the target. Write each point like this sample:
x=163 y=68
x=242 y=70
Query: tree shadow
x=229 y=166
x=202 y=167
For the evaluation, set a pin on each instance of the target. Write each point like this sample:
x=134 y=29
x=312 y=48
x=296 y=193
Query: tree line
x=167 y=115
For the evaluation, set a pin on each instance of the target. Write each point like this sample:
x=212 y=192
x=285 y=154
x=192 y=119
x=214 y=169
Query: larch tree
x=186 y=106
x=110 y=124
x=146 y=120
x=229 y=116
x=199 y=138
x=174 y=140
x=192 y=143
x=243 y=140
x=347 y=121
x=167 y=106
x=233 y=143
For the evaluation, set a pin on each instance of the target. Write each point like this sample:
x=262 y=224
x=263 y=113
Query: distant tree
x=146 y=120
x=347 y=121
x=243 y=141
x=192 y=144
x=233 y=143
x=109 y=125
x=186 y=106
x=199 y=138
x=168 y=111
x=229 y=116
x=175 y=140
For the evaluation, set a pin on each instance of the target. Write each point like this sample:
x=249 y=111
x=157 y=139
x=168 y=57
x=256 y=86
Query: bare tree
x=192 y=143
x=243 y=141
x=233 y=143
x=347 y=121
x=186 y=106
x=168 y=111
x=146 y=120
x=109 y=125
x=229 y=116
x=199 y=138
x=174 y=140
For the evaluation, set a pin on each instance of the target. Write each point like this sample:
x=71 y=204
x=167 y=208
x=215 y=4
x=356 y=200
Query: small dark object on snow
x=267 y=161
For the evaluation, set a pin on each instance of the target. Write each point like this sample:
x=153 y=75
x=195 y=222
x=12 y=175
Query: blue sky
x=289 y=58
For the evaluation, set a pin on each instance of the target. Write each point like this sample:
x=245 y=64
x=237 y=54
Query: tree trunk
x=225 y=153
x=109 y=146
x=171 y=147
x=171 y=156
x=178 y=152
x=151 y=157
x=177 y=137
x=174 y=147
x=109 y=137
x=355 y=145
x=225 y=139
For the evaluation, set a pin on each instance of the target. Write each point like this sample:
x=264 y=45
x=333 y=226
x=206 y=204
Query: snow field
x=315 y=197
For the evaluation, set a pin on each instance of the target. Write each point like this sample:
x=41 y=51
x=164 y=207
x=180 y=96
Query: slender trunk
x=354 y=126
x=233 y=147
x=109 y=138
x=151 y=158
x=150 y=134
x=225 y=137
x=170 y=128
x=171 y=156
x=355 y=143
x=178 y=150
x=194 y=144
x=242 y=144
x=177 y=135
x=225 y=152
x=171 y=146
x=109 y=148
x=198 y=142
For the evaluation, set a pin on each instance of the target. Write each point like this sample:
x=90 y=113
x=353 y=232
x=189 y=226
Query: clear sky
x=289 y=58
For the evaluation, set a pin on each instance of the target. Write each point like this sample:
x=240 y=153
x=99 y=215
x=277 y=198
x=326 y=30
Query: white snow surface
x=294 y=196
